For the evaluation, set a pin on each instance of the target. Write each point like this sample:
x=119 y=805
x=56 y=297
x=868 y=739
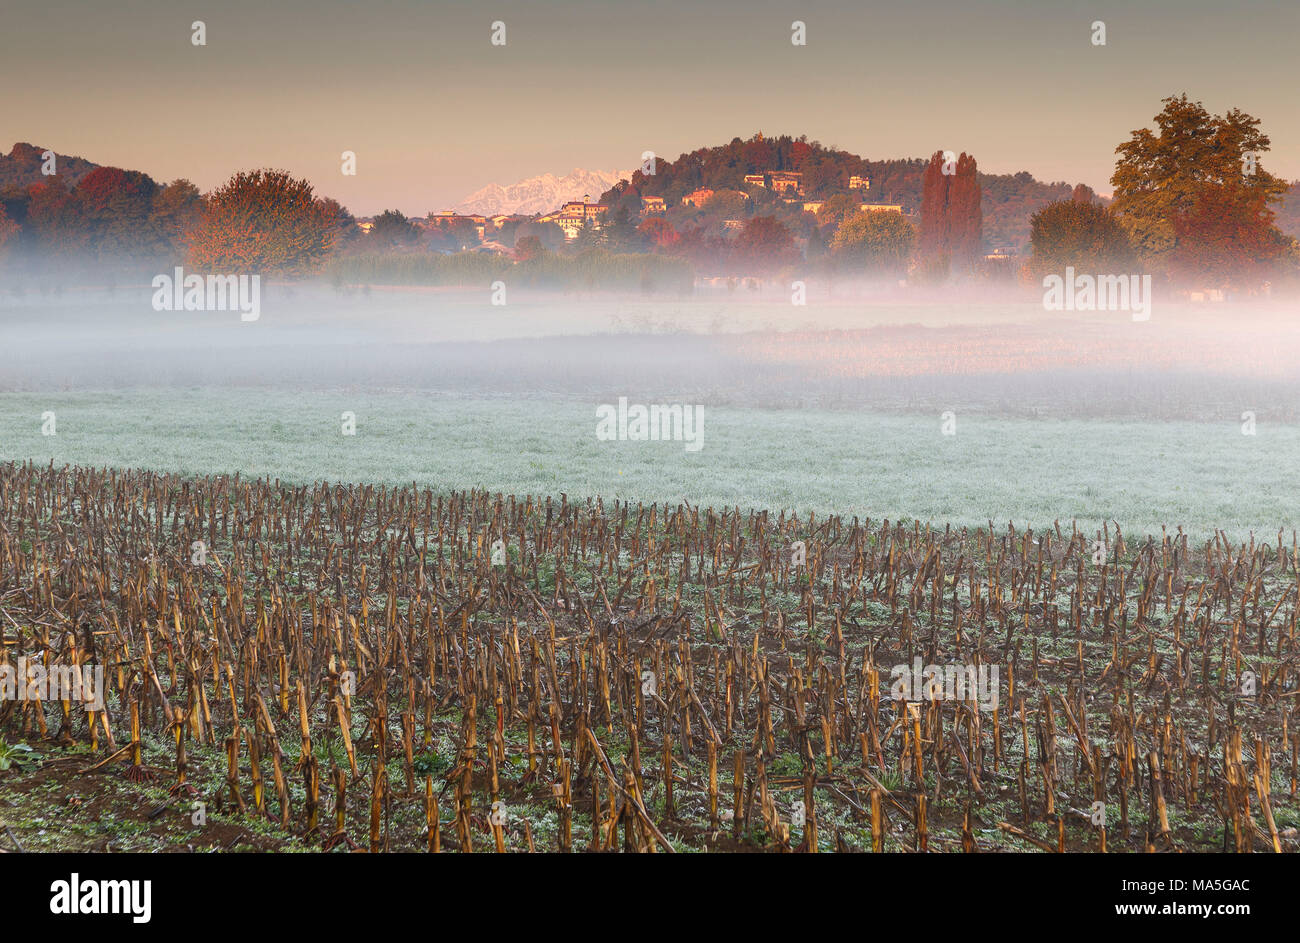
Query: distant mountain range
x=539 y=194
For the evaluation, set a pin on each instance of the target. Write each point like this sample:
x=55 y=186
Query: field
x=1200 y=476
x=394 y=669
x=835 y=407
x=472 y=625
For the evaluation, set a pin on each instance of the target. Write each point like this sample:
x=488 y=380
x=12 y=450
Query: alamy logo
x=945 y=683
x=655 y=423
x=76 y=896
x=1099 y=293
x=32 y=681
x=181 y=292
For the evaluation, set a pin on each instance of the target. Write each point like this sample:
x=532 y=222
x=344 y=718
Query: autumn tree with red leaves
x=55 y=223
x=1161 y=175
x=934 y=239
x=263 y=221
x=658 y=233
x=765 y=243
x=952 y=221
x=115 y=205
x=966 y=226
x=1082 y=193
x=1227 y=239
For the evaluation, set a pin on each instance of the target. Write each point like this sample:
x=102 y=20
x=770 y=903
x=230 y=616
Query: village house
x=882 y=208
x=577 y=213
x=813 y=206
x=451 y=216
x=786 y=180
x=583 y=209
x=572 y=225
x=652 y=204
x=859 y=183
x=698 y=197
x=755 y=180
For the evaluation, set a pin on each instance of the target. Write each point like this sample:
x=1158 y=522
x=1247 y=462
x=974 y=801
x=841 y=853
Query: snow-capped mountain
x=539 y=194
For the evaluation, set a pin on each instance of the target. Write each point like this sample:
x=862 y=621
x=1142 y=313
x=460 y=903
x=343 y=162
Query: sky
x=434 y=111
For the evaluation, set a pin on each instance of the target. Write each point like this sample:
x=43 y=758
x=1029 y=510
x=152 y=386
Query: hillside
x=21 y=167
x=1008 y=199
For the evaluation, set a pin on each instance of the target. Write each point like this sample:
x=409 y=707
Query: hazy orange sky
x=434 y=111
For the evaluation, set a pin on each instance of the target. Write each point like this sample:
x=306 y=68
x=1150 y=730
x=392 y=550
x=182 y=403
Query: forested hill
x=1008 y=199
x=21 y=167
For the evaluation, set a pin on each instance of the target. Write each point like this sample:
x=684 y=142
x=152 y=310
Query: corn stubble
x=375 y=621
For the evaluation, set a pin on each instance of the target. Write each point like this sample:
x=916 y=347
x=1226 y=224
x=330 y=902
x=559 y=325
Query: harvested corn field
x=356 y=667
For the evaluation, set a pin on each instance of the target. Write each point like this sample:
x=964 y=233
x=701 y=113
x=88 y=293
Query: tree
x=1227 y=239
x=966 y=219
x=1160 y=175
x=8 y=230
x=550 y=235
x=54 y=218
x=620 y=233
x=115 y=205
x=766 y=243
x=952 y=220
x=658 y=233
x=590 y=236
x=1080 y=234
x=800 y=152
x=821 y=177
x=263 y=221
x=815 y=243
x=876 y=241
x=175 y=213
x=758 y=154
x=723 y=205
x=460 y=234
x=527 y=248
x=934 y=239
x=346 y=230
x=835 y=210
x=1082 y=193
x=392 y=230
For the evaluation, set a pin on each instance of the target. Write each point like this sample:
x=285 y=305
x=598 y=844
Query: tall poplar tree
x=966 y=229
x=952 y=221
x=934 y=209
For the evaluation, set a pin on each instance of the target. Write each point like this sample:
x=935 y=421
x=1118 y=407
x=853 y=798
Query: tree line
x=1192 y=203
